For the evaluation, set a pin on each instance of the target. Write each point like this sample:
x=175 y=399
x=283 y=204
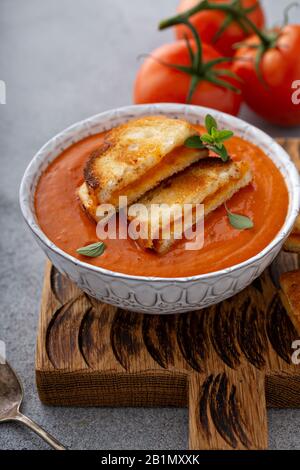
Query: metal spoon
x=11 y=396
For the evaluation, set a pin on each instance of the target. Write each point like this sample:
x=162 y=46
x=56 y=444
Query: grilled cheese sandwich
x=134 y=158
x=210 y=182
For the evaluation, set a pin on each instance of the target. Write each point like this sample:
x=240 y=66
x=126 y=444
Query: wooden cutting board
x=227 y=363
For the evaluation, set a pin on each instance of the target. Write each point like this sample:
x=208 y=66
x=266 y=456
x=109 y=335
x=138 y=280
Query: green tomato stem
x=231 y=9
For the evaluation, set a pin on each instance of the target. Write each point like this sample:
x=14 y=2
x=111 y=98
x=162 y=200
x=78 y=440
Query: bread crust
x=292 y=243
x=290 y=296
x=90 y=177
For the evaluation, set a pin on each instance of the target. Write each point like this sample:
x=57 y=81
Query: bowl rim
x=25 y=192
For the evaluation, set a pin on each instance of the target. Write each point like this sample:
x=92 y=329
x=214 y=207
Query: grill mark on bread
x=90 y=178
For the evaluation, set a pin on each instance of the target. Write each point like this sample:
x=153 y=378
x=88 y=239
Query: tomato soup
x=65 y=223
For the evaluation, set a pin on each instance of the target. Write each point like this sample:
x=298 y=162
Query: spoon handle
x=40 y=431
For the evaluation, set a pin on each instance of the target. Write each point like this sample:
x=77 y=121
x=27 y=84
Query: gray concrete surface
x=64 y=60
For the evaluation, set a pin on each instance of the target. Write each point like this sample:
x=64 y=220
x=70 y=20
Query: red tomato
x=209 y=22
x=158 y=83
x=274 y=97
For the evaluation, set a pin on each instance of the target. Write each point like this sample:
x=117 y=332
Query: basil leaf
x=93 y=250
x=194 y=142
x=238 y=221
x=210 y=122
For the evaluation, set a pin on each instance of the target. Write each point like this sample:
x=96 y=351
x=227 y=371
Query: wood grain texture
x=226 y=413
x=227 y=362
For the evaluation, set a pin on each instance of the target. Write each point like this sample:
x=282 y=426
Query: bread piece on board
x=290 y=295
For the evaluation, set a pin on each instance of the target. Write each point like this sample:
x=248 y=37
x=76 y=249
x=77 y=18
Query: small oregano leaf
x=93 y=250
x=221 y=151
x=210 y=122
x=194 y=142
x=225 y=135
x=207 y=138
x=238 y=221
x=212 y=140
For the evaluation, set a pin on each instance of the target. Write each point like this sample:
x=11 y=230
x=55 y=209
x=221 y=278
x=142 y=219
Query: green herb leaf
x=214 y=132
x=207 y=138
x=219 y=145
x=194 y=142
x=212 y=140
x=210 y=122
x=238 y=221
x=225 y=135
x=93 y=250
x=222 y=152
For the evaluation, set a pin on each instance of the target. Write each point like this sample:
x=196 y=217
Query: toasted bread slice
x=296 y=229
x=135 y=158
x=290 y=296
x=292 y=243
x=210 y=182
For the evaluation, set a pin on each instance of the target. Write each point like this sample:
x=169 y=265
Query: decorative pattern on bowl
x=158 y=295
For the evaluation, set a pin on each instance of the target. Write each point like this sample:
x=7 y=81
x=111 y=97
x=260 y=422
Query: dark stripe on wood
x=258 y=285
x=203 y=405
x=90 y=339
x=192 y=337
x=125 y=336
x=58 y=285
x=219 y=410
x=49 y=332
x=236 y=419
x=84 y=338
x=62 y=288
x=280 y=330
x=158 y=338
x=251 y=334
x=62 y=332
x=223 y=335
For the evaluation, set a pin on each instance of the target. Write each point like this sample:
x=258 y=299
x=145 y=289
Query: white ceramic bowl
x=158 y=295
